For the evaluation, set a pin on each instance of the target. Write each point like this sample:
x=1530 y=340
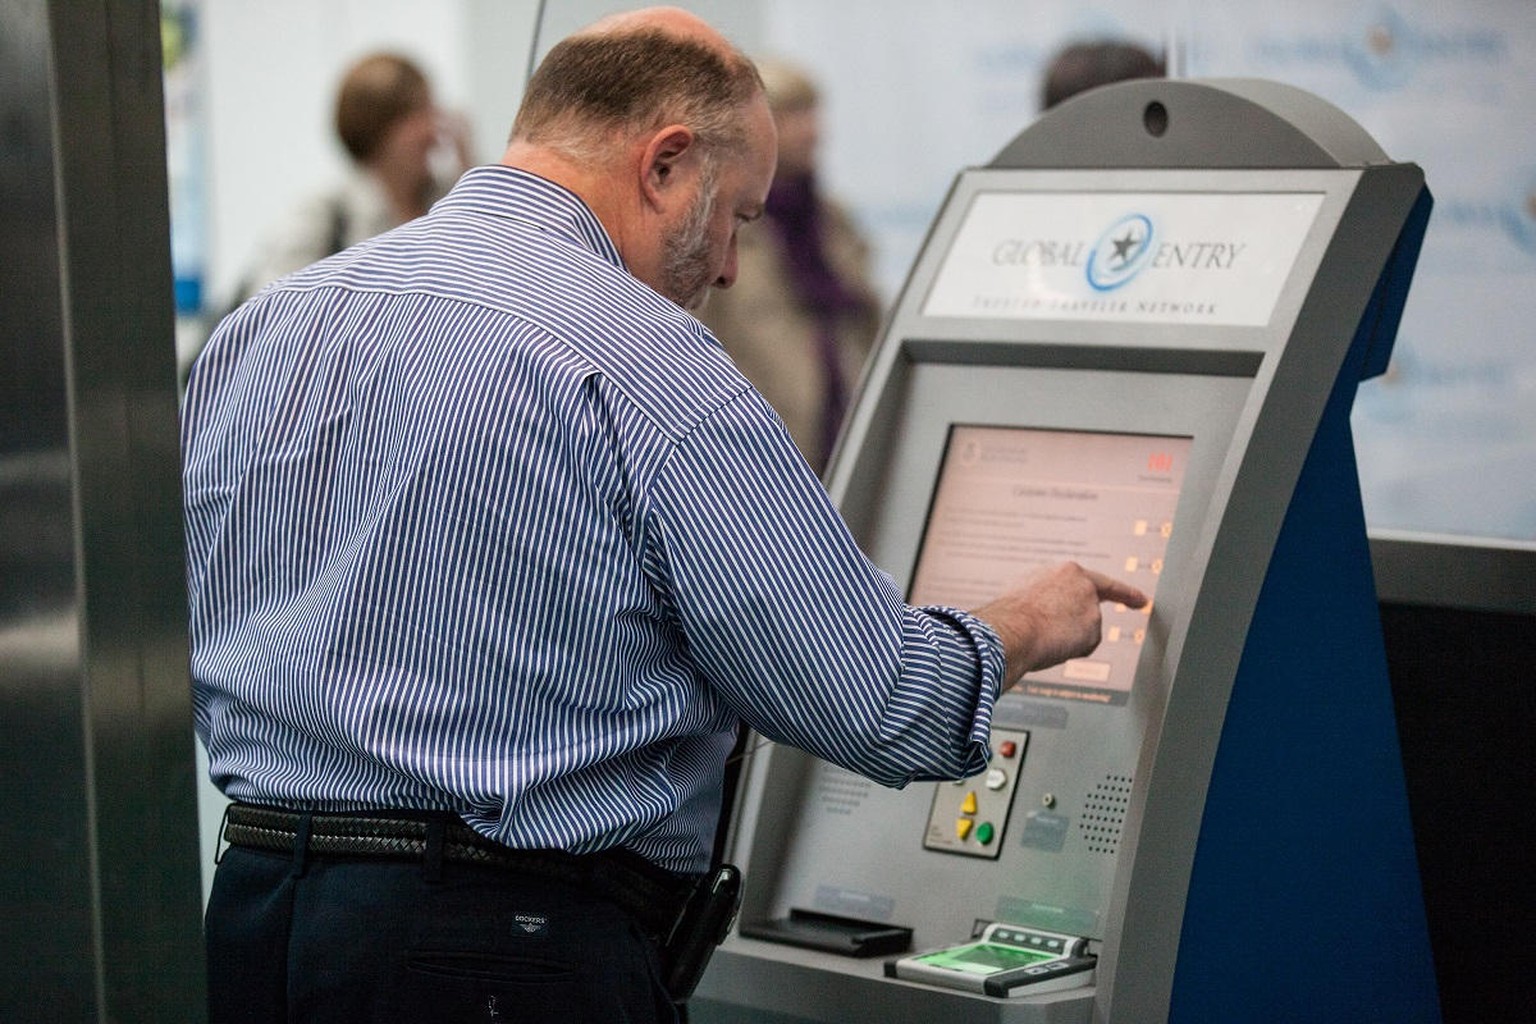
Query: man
x=490 y=550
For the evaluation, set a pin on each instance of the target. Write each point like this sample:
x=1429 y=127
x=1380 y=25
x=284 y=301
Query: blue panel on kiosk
x=1304 y=901
x=1372 y=345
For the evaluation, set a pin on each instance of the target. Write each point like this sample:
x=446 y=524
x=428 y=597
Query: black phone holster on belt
x=701 y=925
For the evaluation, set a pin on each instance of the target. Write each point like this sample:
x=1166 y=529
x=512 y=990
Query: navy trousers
x=342 y=940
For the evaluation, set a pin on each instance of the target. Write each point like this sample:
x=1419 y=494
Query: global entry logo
x=1051 y=259
x=1120 y=253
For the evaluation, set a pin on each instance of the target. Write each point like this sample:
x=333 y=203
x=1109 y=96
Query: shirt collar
x=499 y=191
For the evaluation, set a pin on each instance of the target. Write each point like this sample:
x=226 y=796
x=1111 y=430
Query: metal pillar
x=98 y=820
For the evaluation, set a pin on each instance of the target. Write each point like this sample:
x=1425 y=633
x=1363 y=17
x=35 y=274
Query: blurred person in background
x=405 y=154
x=803 y=315
x=1081 y=66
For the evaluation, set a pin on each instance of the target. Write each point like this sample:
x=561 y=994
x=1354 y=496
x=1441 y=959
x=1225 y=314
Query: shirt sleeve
x=793 y=625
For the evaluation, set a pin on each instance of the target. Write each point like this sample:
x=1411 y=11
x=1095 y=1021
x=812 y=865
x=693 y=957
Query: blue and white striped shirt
x=479 y=522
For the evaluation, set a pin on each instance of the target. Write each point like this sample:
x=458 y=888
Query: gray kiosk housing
x=1161 y=296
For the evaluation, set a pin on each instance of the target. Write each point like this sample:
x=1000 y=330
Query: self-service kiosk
x=1133 y=341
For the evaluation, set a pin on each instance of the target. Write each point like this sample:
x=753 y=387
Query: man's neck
x=600 y=187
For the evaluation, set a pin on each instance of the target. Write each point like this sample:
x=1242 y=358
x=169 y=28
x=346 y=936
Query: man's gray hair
x=594 y=88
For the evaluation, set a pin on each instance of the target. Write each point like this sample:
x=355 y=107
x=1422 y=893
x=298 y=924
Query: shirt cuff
x=979 y=656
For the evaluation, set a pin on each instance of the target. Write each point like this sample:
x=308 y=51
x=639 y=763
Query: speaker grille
x=1104 y=814
x=840 y=791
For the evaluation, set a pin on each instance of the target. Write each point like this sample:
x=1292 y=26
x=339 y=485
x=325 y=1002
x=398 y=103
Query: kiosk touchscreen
x=1011 y=501
x=1131 y=341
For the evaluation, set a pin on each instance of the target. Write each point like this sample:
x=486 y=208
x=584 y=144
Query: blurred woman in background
x=405 y=154
x=802 y=316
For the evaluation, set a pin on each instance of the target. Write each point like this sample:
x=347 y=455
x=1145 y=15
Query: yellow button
x=968 y=805
x=962 y=827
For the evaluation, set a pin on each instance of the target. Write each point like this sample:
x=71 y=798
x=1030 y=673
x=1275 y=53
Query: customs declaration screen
x=1013 y=500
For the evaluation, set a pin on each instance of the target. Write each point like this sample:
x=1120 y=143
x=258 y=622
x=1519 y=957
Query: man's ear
x=663 y=163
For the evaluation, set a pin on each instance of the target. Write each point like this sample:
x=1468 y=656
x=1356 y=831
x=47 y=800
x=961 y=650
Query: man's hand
x=1054 y=616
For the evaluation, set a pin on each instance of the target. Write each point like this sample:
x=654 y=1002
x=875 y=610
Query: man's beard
x=686 y=270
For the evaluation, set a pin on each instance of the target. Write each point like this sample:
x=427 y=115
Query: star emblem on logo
x=1122 y=251
x=1125 y=246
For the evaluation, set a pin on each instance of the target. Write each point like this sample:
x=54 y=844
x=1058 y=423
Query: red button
x=1007 y=748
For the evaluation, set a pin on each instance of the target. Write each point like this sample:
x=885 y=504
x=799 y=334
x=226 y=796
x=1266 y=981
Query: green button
x=984 y=833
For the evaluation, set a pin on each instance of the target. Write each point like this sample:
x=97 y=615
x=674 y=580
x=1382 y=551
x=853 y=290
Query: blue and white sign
x=1177 y=258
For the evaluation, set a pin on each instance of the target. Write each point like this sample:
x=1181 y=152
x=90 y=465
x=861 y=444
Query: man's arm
x=1054 y=616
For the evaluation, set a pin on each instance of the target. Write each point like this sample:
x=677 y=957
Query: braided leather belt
x=654 y=897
